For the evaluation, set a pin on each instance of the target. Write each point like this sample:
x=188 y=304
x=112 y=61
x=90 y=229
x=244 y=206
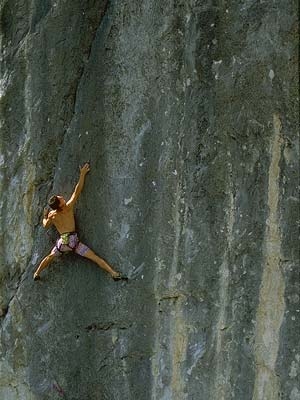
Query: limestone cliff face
x=187 y=111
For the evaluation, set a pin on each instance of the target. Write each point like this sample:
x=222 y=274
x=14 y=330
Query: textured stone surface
x=188 y=113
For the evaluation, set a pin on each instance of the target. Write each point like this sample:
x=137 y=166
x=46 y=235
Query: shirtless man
x=62 y=217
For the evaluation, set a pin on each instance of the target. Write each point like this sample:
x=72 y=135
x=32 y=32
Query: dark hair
x=54 y=202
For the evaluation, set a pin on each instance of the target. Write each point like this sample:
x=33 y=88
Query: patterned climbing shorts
x=69 y=242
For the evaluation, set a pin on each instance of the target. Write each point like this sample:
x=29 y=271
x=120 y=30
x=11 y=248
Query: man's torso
x=63 y=220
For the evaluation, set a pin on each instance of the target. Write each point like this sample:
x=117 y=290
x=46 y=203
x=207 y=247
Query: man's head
x=56 y=202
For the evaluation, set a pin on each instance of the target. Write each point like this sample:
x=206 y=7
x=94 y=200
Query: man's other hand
x=85 y=169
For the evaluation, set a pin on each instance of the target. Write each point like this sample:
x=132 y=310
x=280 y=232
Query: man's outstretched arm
x=78 y=188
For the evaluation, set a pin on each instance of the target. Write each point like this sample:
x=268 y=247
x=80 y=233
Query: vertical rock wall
x=187 y=111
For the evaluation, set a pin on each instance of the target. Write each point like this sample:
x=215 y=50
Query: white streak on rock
x=221 y=387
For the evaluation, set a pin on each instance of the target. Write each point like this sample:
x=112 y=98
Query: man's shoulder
x=70 y=206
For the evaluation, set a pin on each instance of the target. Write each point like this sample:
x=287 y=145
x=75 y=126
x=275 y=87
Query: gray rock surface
x=188 y=113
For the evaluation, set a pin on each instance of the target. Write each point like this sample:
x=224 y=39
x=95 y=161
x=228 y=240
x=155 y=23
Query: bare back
x=63 y=220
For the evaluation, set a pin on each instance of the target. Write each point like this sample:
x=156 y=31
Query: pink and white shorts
x=69 y=242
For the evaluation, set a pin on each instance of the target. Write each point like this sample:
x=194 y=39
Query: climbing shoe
x=120 y=277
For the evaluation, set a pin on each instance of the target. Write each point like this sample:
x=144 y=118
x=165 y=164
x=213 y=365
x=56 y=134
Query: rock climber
x=62 y=217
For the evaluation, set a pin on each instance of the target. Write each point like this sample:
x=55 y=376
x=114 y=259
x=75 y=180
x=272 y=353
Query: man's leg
x=44 y=264
x=100 y=262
